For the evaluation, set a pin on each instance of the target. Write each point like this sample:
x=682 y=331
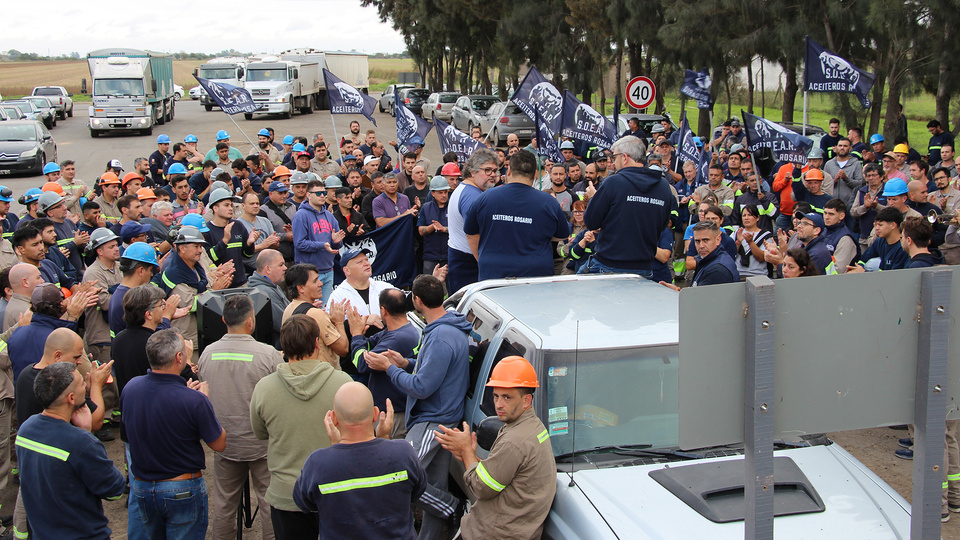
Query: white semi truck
x=282 y=86
x=350 y=67
x=229 y=70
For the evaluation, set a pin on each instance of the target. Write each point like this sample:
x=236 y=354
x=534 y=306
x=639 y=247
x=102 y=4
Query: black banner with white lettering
x=686 y=149
x=392 y=254
x=827 y=72
x=410 y=127
x=231 y=99
x=582 y=122
x=345 y=99
x=703 y=167
x=786 y=145
x=454 y=140
x=697 y=85
x=540 y=100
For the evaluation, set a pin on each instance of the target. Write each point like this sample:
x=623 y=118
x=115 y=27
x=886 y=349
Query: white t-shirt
x=461 y=200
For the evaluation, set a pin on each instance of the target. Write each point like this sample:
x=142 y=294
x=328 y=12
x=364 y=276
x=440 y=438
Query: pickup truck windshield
x=259 y=75
x=622 y=397
x=118 y=87
x=218 y=73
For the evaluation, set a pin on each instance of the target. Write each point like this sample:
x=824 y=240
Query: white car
x=177 y=92
x=195 y=92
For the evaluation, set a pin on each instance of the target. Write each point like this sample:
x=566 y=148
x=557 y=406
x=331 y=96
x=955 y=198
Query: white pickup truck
x=59 y=97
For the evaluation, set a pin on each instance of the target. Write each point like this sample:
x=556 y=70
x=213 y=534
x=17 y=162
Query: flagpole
x=253 y=144
x=336 y=138
x=804 y=113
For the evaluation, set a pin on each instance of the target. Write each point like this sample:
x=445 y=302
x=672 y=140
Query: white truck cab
x=282 y=86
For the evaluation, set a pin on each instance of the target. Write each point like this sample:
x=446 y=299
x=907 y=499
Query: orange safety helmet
x=814 y=174
x=52 y=186
x=450 y=169
x=145 y=193
x=513 y=372
x=281 y=171
x=108 y=179
x=131 y=176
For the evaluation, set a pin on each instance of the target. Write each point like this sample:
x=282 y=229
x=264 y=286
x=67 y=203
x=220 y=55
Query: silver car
x=468 y=110
x=512 y=120
x=386 y=98
x=47 y=109
x=439 y=105
x=12 y=111
x=29 y=110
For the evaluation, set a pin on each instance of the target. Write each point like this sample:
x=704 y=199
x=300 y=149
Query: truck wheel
x=161 y=119
x=173 y=109
x=69 y=113
x=210 y=108
x=287 y=115
x=147 y=132
x=246 y=116
x=94 y=133
x=63 y=115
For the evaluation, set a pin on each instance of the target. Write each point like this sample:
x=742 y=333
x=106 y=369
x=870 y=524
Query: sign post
x=640 y=92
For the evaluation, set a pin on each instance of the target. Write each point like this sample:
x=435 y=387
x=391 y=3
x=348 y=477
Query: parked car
x=12 y=111
x=25 y=146
x=512 y=120
x=195 y=92
x=466 y=112
x=439 y=105
x=177 y=92
x=609 y=397
x=47 y=110
x=3 y=115
x=386 y=98
x=29 y=110
x=60 y=98
x=412 y=98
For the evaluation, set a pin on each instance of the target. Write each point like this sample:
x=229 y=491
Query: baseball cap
x=348 y=255
x=875 y=138
x=734 y=122
x=370 y=158
x=131 y=229
x=666 y=142
x=145 y=193
x=815 y=217
x=115 y=164
x=890 y=155
x=349 y=157
x=566 y=145
x=303 y=153
x=46 y=293
x=278 y=186
x=894 y=187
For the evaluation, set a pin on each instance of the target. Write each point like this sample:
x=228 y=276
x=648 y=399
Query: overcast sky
x=207 y=27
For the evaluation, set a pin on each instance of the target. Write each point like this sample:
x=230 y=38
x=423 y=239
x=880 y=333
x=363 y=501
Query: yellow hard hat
x=901 y=149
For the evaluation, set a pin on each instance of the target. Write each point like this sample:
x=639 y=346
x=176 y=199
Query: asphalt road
x=874 y=447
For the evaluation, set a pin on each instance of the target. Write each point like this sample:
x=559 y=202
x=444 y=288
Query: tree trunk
x=647 y=67
x=451 y=71
x=790 y=90
x=726 y=85
x=944 y=91
x=763 y=91
x=893 y=103
x=619 y=88
x=657 y=78
x=750 y=86
x=877 y=105
x=502 y=84
x=438 y=86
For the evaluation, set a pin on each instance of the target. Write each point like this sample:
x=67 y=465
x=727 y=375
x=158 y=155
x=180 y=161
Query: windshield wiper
x=665 y=453
x=610 y=448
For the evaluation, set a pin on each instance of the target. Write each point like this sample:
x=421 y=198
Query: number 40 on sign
x=640 y=92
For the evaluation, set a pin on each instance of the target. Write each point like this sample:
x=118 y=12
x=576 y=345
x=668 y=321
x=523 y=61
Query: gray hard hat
x=439 y=183
x=220 y=194
x=311 y=176
x=189 y=234
x=216 y=172
x=48 y=200
x=736 y=147
x=657 y=128
x=332 y=182
x=815 y=153
x=218 y=185
x=298 y=178
x=99 y=237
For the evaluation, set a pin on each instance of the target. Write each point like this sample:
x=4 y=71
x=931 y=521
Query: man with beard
x=264 y=147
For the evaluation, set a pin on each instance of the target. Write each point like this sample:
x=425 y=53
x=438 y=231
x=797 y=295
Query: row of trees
x=909 y=44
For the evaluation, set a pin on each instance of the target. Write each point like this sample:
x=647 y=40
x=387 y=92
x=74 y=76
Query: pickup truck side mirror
x=194 y=72
x=69 y=95
x=487 y=432
x=239 y=73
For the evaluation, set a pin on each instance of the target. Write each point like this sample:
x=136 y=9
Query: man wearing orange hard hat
x=516 y=483
x=131 y=183
x=110 y=185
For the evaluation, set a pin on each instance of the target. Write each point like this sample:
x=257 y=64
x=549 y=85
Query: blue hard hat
x=418 y=140
x=190 y=138
x=894 y=187
x=51 y=168
x=32 y=195
x=875 y=138
x=195 y=220
x=222 y=134
x=263 y=133
x=698 y=141
x=163 y=139
x=299 y=147
x=141 y=252
x=6 y=198
x=288 y=139
x=177 y=168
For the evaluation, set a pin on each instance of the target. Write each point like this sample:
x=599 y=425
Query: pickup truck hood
x=858 y=504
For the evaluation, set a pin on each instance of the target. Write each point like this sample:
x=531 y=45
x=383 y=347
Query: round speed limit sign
x=640 y=92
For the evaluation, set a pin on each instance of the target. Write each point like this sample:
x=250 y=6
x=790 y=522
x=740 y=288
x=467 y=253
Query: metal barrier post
x=931 y=403
x=758 y=409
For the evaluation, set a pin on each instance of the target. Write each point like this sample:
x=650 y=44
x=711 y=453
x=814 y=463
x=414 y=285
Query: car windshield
x=482 y=104
x=17 y=133
x=449 y=98
x=611 y=397
x=12 y=111
x=27 y=108
x=118 y=87
x=39 y=102
x=218 y=73
x=261 y=75
x=47 y=92
x=422 y=94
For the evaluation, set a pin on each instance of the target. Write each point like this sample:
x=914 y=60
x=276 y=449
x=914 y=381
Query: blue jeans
x=593 y=266
x=326 y=279
x=170 y=510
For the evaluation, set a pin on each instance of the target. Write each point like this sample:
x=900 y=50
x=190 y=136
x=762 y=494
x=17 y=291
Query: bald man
x=24 y=278
x=360 y=471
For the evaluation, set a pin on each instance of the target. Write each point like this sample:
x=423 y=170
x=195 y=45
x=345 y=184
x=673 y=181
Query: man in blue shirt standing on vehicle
x=632 y=208
x=510 y=228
